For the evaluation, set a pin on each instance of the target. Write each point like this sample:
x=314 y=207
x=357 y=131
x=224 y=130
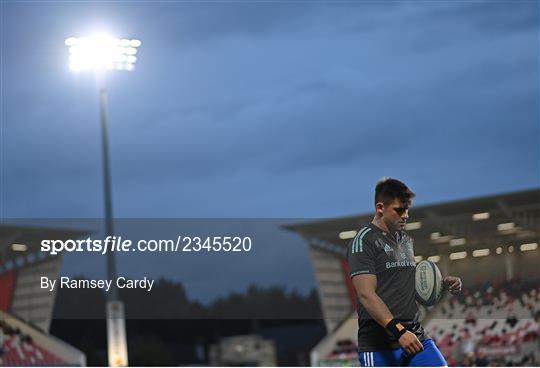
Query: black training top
x=391 y=259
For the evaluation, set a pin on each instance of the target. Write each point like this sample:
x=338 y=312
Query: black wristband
x=395 y=328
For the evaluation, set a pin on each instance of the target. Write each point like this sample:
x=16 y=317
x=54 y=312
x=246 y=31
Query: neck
x=380 y=224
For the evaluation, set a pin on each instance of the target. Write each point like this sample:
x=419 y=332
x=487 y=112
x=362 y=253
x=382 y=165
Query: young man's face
x=394 y=214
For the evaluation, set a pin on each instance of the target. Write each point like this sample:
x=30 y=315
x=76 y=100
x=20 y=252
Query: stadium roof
x=27 y=240
x=443 y=228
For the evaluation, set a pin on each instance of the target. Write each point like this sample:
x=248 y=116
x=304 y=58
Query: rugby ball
x=428 y=283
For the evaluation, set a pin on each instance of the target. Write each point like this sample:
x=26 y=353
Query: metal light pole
x=101 y=53
x=107 y=193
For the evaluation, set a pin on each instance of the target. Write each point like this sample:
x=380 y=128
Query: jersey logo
x=388 y=249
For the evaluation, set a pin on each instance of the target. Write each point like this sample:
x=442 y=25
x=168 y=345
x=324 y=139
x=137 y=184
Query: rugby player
x=382 y=269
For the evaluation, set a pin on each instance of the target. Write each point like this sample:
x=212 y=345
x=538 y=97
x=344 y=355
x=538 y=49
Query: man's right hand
x=410 y=343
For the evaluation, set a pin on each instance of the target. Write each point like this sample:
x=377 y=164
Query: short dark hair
x=388 y=189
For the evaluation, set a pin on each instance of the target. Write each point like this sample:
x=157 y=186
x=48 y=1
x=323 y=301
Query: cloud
x=270 y=98
x=491 y=17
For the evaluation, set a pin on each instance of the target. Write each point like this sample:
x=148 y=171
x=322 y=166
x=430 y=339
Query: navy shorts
x=429 y=357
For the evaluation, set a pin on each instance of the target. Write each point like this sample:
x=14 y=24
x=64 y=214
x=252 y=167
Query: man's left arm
x=452 y=284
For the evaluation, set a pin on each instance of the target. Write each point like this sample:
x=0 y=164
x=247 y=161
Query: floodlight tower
x=102 y=53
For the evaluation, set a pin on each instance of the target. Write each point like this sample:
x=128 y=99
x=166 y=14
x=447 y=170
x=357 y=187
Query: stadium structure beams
x=445 y=228
x=26 y=265
x=448 y=225
x=520 y=215
x=5 y=251
x=327 y=246
x=451 y=220
x=31 y=237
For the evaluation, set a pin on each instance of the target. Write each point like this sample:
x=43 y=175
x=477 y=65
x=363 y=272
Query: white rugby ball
x=428 y=283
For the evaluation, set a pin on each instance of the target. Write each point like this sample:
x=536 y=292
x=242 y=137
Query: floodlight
x=506 y=226
x=413 y=225
x=349 y=234
x=434 y=259
x=458 y=241
x=480 y=252
x=480 y=216
x=19 y=247
x=102 y=52
x=528 y=246
x=71 y=41
x=458 y=255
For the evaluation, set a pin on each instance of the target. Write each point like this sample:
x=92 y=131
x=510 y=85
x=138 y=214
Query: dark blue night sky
x=269 y=110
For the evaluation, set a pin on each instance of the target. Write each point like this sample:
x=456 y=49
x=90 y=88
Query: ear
x=379 y=207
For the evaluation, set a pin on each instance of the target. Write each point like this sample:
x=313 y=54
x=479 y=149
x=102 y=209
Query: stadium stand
x=498 y=321
x=19 y=350
x=488 y=325
x=26 y=308
x=479 y=239
x=24 y=345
